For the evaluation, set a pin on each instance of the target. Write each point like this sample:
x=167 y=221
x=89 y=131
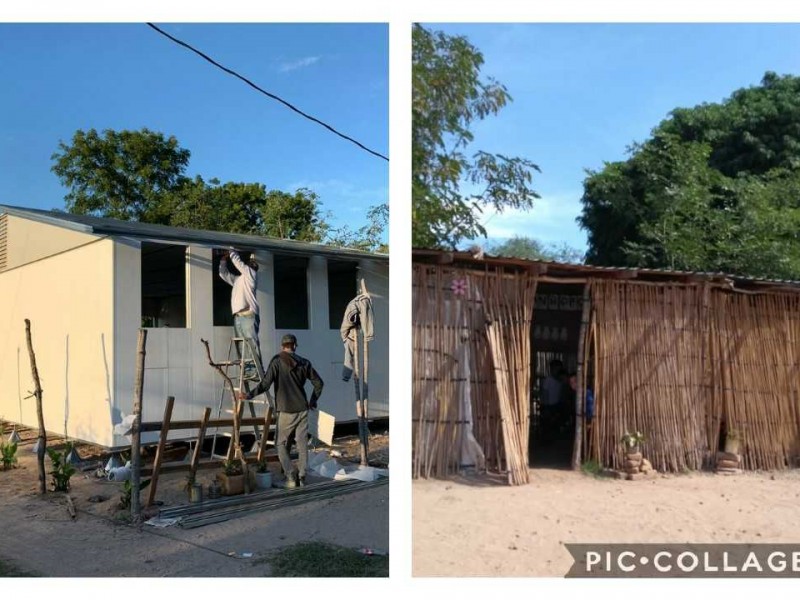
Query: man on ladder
x=289 y=372
x=244 y=304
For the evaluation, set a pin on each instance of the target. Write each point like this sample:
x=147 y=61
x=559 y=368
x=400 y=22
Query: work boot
x=289 y=483
x=301 y=481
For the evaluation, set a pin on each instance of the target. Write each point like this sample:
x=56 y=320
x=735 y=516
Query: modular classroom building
x=88 y=284
x=684 y=358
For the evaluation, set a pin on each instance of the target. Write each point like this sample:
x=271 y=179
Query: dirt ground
x=479 y=527
x=37 y=534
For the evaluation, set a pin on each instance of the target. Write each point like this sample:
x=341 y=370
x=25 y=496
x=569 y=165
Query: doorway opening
x=555 y=333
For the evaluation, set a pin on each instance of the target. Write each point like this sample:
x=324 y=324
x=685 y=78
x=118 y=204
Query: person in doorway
x=244 y=304
x=551 y=397
x=569 y=404
x=289 y=372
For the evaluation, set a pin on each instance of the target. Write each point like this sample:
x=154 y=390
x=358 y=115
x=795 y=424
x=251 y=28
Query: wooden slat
x=176 y=425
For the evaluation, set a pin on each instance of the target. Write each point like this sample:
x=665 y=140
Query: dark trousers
x=297 y=423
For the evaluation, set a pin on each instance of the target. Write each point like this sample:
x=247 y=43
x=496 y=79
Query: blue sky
x=584 y=92
x=58 y=78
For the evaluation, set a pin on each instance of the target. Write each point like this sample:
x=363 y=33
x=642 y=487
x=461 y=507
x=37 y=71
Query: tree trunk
x=39 y=411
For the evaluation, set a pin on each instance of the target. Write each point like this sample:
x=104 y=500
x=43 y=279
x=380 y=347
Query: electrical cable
x=266 y=93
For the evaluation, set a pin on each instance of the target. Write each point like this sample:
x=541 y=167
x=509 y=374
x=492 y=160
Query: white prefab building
x=88 y=284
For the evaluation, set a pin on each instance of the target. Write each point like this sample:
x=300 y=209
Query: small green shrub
x=633 y=440
x=62 y=470
x=127 y=492
x=592 y=467
x=8 y=454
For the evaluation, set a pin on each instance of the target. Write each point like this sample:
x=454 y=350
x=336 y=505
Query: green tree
x=248 y=208
x=232 y=207
x=294 y=216
x=120 y=174
x=532 y=249
x=139 y=175
x=449 y=96
x=715 y=188
x=369 y=237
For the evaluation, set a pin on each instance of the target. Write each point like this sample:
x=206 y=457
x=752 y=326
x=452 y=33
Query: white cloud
x=337 y=189
x=300 y=63
x=551 y=220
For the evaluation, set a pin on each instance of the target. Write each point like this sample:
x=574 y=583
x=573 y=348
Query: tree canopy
x=533 y=249
x=450 y=190
x=715 y=188
x=120 y=174
x=140 y=176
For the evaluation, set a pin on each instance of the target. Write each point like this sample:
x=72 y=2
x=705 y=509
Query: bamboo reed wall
x=677 y=361
x=648 y=352
x=755 y=375
x=484 y=323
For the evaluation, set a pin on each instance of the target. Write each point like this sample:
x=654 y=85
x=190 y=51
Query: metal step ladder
x=246 y=372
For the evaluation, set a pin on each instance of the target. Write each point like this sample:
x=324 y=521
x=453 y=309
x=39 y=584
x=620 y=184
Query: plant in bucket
x=263 y=478
x=634 y=464
x=633 y=442
x=232 y=477
x=194 y=490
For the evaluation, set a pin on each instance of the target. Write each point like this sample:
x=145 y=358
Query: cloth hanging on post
x=357 y=315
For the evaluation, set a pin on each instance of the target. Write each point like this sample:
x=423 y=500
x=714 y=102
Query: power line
x=266 y=93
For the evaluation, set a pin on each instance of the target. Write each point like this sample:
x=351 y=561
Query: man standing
x=289 y=372
x=550 y=398
x=244 y=304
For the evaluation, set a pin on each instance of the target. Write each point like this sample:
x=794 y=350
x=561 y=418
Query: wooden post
x=198 y=447
x=580 y=375
x=162 y=442
x=364 y=422
x=136 y=435
x=39 y=411
x=362 y=389
x=262 y=446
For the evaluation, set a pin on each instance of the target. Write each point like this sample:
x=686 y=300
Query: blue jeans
x=246 y=326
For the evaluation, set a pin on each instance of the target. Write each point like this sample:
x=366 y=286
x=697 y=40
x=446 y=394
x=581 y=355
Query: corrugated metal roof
x=566 y=270
x=135 y=229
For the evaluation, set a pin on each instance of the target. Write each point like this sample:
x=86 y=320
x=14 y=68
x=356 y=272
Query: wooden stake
x=262 y=446
x=136 y=458
x=199 y=445
x=363 y=410
x=71 y=507
x=162 y=442
x=39 y=411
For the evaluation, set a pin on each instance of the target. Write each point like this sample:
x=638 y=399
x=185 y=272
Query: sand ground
x=478 y=526
x=37 y=535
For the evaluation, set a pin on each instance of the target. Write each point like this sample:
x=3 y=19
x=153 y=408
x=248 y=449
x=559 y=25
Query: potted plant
x=633 y=442
x=194 y=490
x=232 y=477
x=263 y=477
x=733 y=439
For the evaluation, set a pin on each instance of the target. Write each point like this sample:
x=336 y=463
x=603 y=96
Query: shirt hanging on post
x=358 y=314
